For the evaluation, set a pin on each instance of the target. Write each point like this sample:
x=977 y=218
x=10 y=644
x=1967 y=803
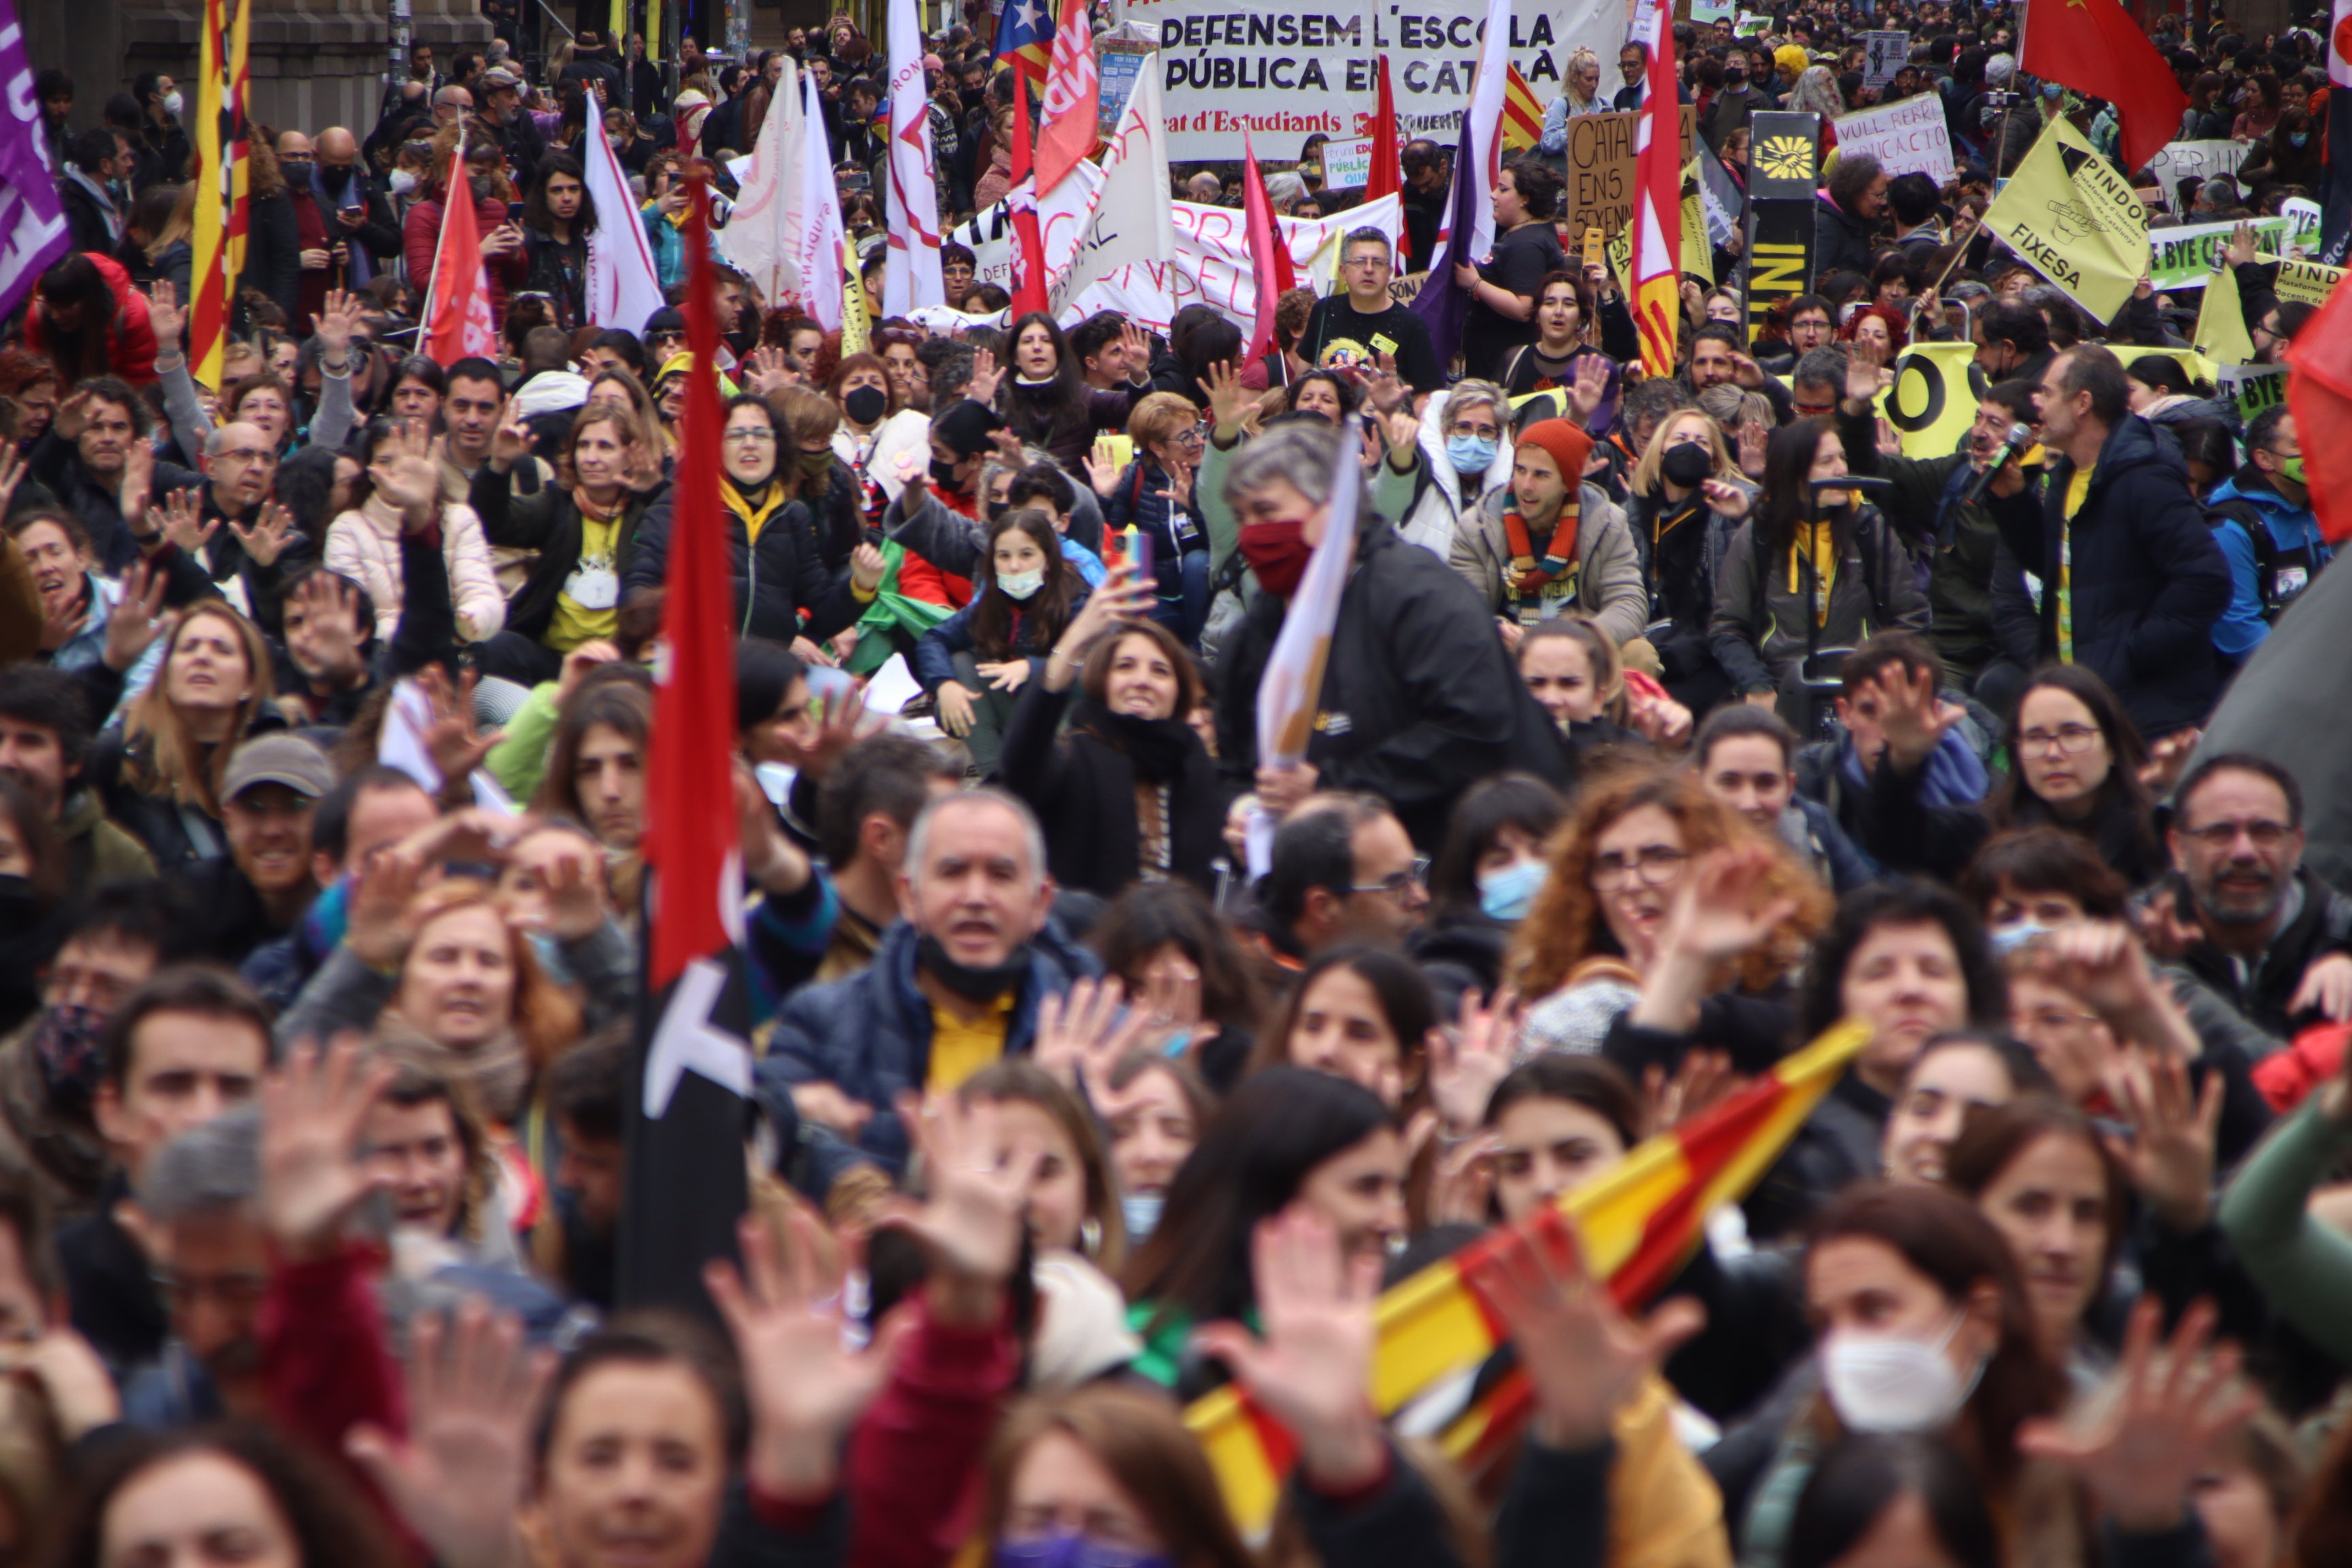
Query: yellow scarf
x=1825 y=554
x=755 y=517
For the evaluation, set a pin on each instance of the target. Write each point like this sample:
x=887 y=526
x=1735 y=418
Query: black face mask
x=972 y=984
x=1686 y=464
x=338 y=177
x=944 y=476
x=866 y=403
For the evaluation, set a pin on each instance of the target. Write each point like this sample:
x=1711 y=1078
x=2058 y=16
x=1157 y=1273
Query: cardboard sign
x=1907 y=136
x=1601 y=169
x=1884 y=55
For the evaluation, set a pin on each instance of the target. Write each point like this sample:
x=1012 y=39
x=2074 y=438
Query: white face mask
x=173 y=103
x=1021 y=585
x=403 y=182
x=1886 y=1383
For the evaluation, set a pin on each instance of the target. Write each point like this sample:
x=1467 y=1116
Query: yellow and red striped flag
x=221 y=175
x=1658 y=202
x=1636 y=1225
x=1522 y=126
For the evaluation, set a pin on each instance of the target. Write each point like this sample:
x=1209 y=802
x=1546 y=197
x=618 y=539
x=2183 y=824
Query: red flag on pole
x=2319 y=394
x=2096 y=48
x=1073 y=99
x=1270 y=256
x=691 y=778
x=1028 y=247
x=459 y=326
x=1386 y=179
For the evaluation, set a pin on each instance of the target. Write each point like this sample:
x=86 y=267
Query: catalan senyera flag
x=1522 y=126
x=1658 y=202
x=1636 y=1225
x=221 y=175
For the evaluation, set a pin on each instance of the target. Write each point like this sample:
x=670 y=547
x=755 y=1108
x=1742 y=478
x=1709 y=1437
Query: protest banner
x=1599 y=191
x=1706 y=15
x=1347 y=165
x=2307 y=282
x=1932 y=401
x=1285 y=74
x=1212 y=264
x=2182 y=259
x=1062 y=216
x=1907 y=136
x=1777 y=263
x=2193 y=161
x=1884 y=54
x=1721 y=199
x=2253 y=387
x=2075 y=220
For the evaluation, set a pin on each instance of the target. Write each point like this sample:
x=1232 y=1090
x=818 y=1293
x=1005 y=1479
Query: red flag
x=1028 y=247
x=2319 y=393
x=2095 y=46
x=1658 y=203
x=1073 y=99
x=1386 y=179
x=459 y=326
x=690 y=776
x=1270 y=256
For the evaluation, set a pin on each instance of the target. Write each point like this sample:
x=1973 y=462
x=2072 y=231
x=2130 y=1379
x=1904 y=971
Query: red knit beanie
x=1569 y=448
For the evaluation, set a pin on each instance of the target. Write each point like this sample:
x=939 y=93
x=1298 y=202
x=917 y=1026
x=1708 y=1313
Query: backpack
x=2257 y=529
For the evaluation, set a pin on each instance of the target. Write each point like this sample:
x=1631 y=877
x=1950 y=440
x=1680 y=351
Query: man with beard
x=45 y=736
x=2264 y=934
x=263 y=886
x=49 y=1067
x=954 y=987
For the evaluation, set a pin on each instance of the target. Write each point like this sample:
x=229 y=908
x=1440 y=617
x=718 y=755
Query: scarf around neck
x=1529 y=575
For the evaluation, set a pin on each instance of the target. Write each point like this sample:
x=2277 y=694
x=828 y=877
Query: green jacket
x=2304 y=1266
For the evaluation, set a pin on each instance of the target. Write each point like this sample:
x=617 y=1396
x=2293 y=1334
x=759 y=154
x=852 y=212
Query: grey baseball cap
x=287 y=760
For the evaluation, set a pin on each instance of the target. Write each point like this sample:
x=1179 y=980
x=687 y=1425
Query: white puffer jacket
x=1439 y=507
x=363 y=544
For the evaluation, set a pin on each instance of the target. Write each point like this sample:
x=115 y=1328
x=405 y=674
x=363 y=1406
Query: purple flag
x=33 y=232
x=1443 y=305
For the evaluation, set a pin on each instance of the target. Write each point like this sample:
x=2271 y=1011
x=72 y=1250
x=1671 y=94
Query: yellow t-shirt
x=2078 y=489
x=588 y=605
x=961 y=1049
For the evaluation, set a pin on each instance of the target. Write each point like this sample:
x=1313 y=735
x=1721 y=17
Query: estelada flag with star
x=1024 y=36
x=689 y=1106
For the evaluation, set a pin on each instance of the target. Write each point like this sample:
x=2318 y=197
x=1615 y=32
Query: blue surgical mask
x=2297 y=138
x=1505 y=894
x=1470 y=454
x=1141 y=1212
x=2015 y=938
x=1021 y=585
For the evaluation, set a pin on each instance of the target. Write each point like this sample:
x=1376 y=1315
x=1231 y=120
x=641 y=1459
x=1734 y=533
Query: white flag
x=1132 y=224
x=911 y=276
x=815 y=231
x=1486 y=112
x=624 y=286
x=756 y=238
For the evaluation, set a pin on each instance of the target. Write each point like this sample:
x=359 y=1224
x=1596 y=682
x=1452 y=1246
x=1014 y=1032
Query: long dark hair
x=1858 y=1481
x=1788 y=494
x=1251 y=1161
x=1402 y=990
x=1057 y=407
x=993 y=610
x=1943 y=1237
x=2014 y=806
x=534 y=207
x=81 y=351
x=1149 y=916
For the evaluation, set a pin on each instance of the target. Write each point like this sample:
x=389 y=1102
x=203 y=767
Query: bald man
x=358 y=208
x=450 y=105
x=240 y=476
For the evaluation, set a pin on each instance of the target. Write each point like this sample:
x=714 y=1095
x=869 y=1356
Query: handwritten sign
x=1347 y=165
x=1906 y=136
x=1601 y=169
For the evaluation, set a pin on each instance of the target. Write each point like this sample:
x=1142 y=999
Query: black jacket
x=521 y=514
x=85 y=220
x=558 y=269
x=2148 y=580
x=1419 y=700
x=2324 y=925
x=775 y=578
x=111 y=1286
x=1840 y=238
x=1083 y=789
x=273 y=254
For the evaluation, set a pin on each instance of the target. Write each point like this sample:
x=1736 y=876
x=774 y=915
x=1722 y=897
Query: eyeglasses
x=1655 y=864
x=2051 y=1018
x=1191 y=436
x=2071 y=740
x=2265 y=834
x=1478 y=432
x=757 y=435
x=1401 y=885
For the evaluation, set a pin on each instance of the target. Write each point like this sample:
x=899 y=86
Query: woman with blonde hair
x=1652 y=875
x=160 y=773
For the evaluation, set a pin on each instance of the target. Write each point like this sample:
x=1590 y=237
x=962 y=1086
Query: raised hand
x=331 y=616
x=1226 y=395
x=769 y=371
x=378 y=930
x=1312 y=1370
x=313 y=1171
x=805 y=1386
x=1890 y=441
x=1123 y=596
x=985 y=375
x=1657 y=717
x=138 y=619
x=456 y=745
x=1584 y=1357
x=1135 y=348
x=1079 y=1039
x=841 y=724
x=579 y=662
x=772 y=861
x=405 y=476
x=62 y=620
x=1703 y=1078
x=337 y=322
x=183 y=522
x=511 y=442
x=1589 y=388
x=1865 y=371
x=265 y=540
x=72 y=416
x=459 y=1477
x=2141 y=1451
x=1402 y=430
x=1466 y=1062
x=1913 y=718
x=972 y=1216
x=165 y=316
x=138 y=490
x=1382 y=388
x=2326 y=985
x=2166 y=758
x=2170 y=1155
x=1726 y=498
x=1724 y=907
x=1102 y=469
x=2241 y=248
x=1753 y=439
x=575 y=902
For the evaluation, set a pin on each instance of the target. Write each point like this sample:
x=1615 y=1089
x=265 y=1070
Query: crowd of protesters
x=1101 y=1059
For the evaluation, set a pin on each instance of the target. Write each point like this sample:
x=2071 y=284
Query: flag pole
x=2001 y=142
x=457 y=177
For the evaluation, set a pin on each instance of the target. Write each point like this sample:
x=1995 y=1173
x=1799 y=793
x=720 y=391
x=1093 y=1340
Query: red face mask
x=1277 y=552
